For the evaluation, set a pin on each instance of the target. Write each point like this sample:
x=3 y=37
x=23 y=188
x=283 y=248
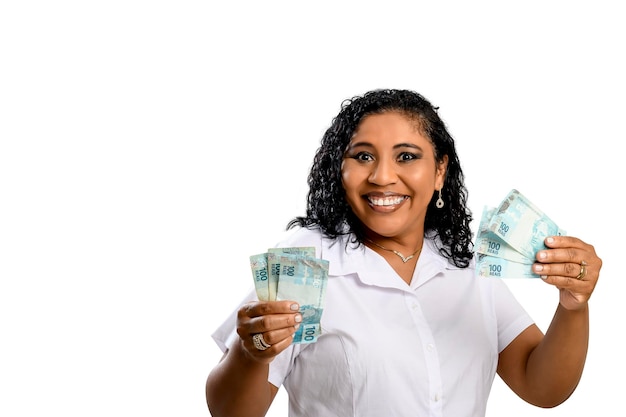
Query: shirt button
x=436 y=397
x=430 y=347
x=414 y=306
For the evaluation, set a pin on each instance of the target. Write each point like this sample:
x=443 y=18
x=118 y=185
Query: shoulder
x=339 y=251
x=301 y=236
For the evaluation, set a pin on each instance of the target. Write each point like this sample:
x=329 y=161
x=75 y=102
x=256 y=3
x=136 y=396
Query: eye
x=408 y=156
x=363 y=156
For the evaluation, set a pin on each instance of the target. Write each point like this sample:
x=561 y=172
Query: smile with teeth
x=386 y=201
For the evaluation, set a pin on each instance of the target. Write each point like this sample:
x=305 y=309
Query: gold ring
x=583 y=270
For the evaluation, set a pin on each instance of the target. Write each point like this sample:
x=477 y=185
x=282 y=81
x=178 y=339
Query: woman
x=408 y=327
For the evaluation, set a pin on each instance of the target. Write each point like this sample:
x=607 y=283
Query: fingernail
x=295 y=307
x=543 y=255
x=550 y=240
x=298 y=318
x=544 y=277
x=538 y=267
x=296 y=326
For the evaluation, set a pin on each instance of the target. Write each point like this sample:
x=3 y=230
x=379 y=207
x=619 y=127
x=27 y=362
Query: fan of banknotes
x=510 y=235
x=293 y=274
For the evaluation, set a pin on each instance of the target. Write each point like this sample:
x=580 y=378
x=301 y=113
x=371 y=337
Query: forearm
x=238 y=386
x=556 y=364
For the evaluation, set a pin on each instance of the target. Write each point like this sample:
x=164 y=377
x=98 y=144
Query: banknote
x=260 y=274
x=273 y=265
x=488 y=243
x=303 y=279
x=492 y=266
x=520 y=224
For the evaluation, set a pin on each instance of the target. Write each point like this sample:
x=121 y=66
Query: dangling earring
x=439 y=203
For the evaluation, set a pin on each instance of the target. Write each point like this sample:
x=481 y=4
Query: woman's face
x=389 y=174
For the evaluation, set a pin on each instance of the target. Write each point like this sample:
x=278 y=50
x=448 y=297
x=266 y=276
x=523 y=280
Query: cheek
x=348 y=187
x=351 y=182
x=426 y=176
x=347 y=176
x=418 y=179
x=348 y=184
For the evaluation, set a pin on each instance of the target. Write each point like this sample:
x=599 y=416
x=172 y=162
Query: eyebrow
x=396 y=146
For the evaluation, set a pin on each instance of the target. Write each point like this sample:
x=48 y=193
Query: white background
x=149 y=147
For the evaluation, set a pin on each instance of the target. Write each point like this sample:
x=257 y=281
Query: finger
x=572 y=253
x=568 y=249
x=270 y=322
x=580 y=287
x=274 y=337
x=273 y=349
x=263 y=308
x=565 y=270
x=564 y=242
x=248 y=326
x=564 y=255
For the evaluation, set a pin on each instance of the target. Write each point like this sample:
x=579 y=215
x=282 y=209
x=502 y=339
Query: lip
x=385 y=202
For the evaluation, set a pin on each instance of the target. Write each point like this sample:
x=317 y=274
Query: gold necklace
x=405 y=259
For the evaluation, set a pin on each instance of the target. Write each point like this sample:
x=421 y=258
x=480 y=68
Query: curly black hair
x=327 y=207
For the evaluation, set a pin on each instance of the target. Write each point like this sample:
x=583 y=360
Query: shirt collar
x=372 y=269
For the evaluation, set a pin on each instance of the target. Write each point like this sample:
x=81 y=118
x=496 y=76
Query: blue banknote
x=492 y=266
x=260 y=275
x=509 y=237
x=274 y=266
x=303 y=279
x=293 y=274
x=520 y=224
x=488 y=243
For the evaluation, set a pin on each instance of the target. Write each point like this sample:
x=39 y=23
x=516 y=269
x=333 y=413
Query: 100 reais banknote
x=510 y=235
x=293 y=274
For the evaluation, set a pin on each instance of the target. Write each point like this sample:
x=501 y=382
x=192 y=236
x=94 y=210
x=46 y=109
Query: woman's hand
x=572 y=266
x=271 y=323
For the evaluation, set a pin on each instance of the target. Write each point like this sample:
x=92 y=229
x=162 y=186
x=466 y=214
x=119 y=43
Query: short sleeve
x=512 y=318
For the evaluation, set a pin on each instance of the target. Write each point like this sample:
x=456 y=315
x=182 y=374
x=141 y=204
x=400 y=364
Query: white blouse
x=391 y=349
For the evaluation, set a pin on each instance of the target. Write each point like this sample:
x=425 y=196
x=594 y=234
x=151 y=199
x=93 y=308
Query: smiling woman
x=148 y=147
x=390 y=173
x=385 y=182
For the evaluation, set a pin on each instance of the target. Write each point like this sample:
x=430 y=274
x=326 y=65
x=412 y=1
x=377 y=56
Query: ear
x=440 y=174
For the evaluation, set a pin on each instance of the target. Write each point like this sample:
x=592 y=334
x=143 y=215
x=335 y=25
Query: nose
x=383 y=173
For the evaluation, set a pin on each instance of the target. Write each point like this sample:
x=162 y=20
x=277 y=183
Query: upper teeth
x=387 y=201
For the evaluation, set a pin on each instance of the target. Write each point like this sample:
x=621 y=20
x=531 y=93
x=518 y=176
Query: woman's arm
x=545 y=370
x=238 y=385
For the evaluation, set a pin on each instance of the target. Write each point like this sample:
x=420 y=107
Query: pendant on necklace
x=404 y=259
